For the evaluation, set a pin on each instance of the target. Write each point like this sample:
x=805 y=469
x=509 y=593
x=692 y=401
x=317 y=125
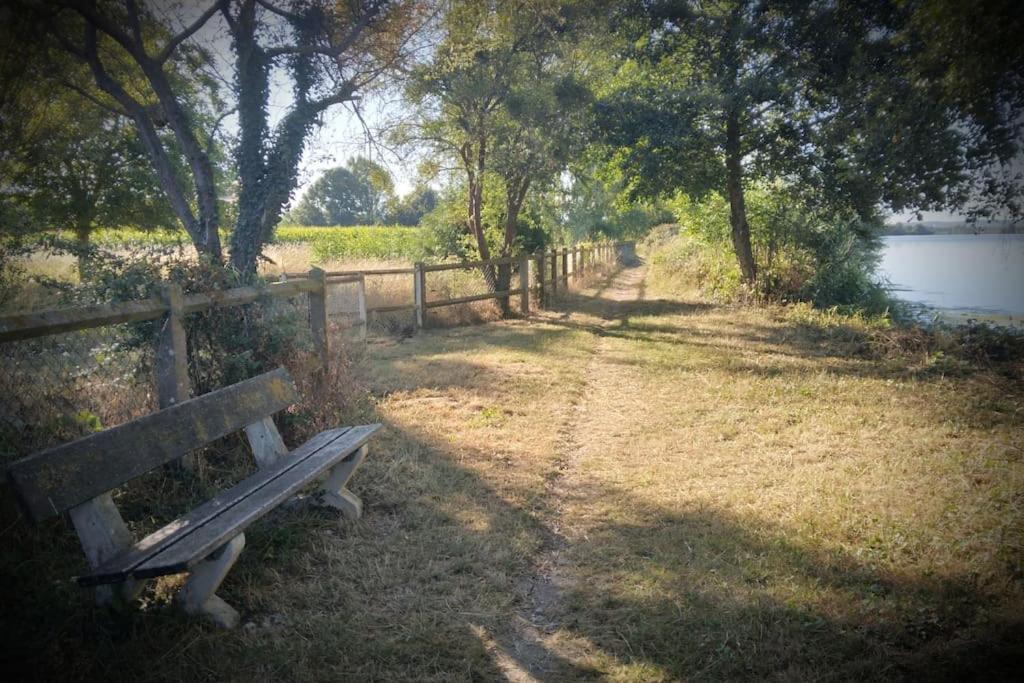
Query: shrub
x=803 y=254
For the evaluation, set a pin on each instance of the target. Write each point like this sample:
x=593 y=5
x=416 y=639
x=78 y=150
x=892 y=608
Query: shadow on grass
x=407 y=591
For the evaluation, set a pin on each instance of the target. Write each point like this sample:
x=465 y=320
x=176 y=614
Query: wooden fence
x=551 y=269
x=171 y=364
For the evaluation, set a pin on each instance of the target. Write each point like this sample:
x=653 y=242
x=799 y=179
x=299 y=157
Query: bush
x=684 y=261
x=802 y=254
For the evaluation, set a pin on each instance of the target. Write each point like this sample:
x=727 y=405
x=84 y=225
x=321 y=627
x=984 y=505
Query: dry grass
x=665 y=488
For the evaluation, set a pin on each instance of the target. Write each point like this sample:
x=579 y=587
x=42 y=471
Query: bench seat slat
x=195 y=547
x=120 y=568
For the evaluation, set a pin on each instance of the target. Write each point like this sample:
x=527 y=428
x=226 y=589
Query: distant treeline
x=954 y=228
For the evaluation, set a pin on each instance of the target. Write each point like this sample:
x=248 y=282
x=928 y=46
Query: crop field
x=325 y=244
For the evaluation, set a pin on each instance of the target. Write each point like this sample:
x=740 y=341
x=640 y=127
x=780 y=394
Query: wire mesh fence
x=61 y=387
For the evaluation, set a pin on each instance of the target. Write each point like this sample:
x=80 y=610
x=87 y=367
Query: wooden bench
x=78 y=477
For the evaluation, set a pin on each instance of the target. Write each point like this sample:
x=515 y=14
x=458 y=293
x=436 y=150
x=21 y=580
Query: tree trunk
x=82 y=230
x=515 y=194
x=737 y=203
x=475 y=168
x=252 y=81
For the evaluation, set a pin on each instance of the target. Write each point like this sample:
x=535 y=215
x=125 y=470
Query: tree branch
x=95 y=100
x=334 y=50
x=290 y=16
x=213 y=131
x=177 y=40
x=133 y=21
x=147 y=131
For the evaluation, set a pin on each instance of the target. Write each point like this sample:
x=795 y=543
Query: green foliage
x=411 y=209
x=12 y=270
x=383 y=242
x=445 y=229
x=805 y=254
x=335 y=198
x=597 y=205
x=376 y=189
x=688 y=261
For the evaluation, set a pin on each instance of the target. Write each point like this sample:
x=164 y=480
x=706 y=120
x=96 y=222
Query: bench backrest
x=52 y=481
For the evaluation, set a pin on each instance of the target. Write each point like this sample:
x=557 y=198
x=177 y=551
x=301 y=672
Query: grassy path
x=636 y=485
x=528 y=655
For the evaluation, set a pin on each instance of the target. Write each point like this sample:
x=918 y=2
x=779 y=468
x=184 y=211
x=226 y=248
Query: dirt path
x=529 y=655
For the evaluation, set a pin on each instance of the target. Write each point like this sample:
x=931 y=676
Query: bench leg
x=197 y=596
x=333 y=491
x=103 y=535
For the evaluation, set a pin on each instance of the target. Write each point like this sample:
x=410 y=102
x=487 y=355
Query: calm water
x=958 y=274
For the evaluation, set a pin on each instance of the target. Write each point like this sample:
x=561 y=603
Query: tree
x=489 y=100
x=72 y=165
x=335 y=198
x=717 y=95
x=410 y=209
x=973 y=56
x=376 y=189
x=92 y=172
x=357 y=194
x=329 y=53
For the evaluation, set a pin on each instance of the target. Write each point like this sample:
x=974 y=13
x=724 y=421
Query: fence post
x=575 y=265
x=361 y=303
x=524 y=285
x=318 y=315
x=540 y=278
x=172 y=383
x=554 y=272
x=419 y=294
x=565 y=266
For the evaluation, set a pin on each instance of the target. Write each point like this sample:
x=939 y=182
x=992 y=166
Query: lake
x=961 y=276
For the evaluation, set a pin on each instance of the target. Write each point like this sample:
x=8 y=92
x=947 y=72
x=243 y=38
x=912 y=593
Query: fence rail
x=541 y=273
x=43 y=323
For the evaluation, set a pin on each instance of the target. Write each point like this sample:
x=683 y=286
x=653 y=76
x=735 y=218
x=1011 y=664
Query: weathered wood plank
x=419 y=294
x=371 y=271
x=471 y=298
x=391 y=309
x=468 y=264
x=43 y=323
x=172 y=383
x=50 y=482
x=193 y=303
x=266 y=442
x=361 y=306
x=120 y=567
x=318 y=317
x=524 y=285
x=206 y=538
